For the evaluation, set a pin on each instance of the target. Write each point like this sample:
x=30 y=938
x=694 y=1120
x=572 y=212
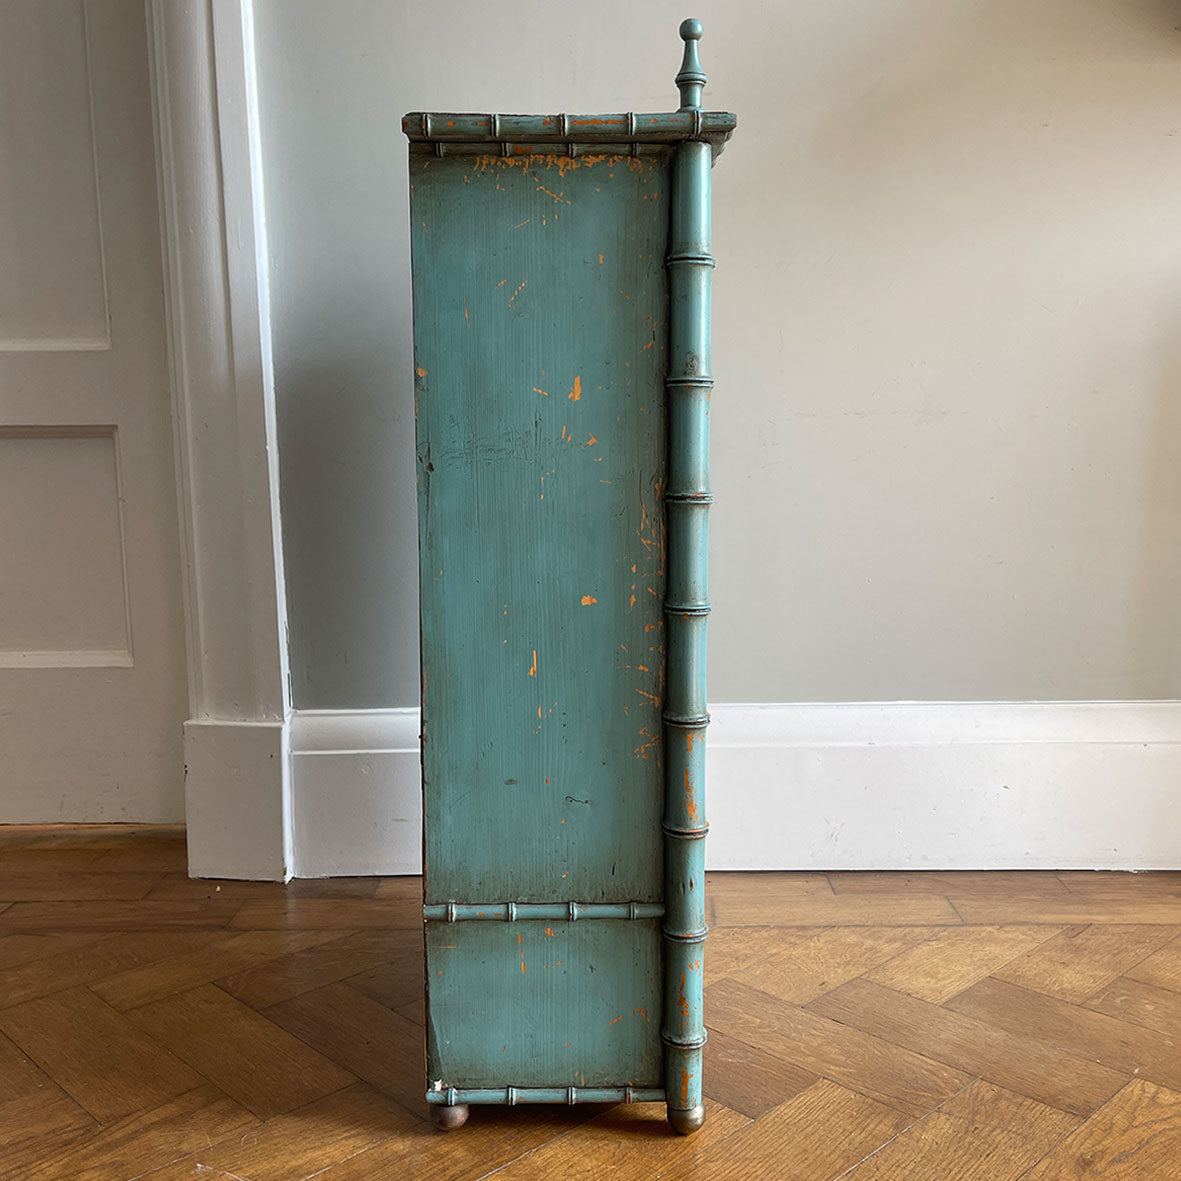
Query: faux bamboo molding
x=523 y=299
x=688 y=385
x=455 y=1096
x=515 y=912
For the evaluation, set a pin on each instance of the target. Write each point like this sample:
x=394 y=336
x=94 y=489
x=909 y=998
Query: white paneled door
x=92 y=671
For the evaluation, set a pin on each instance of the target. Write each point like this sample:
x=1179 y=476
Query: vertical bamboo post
x=687 y=498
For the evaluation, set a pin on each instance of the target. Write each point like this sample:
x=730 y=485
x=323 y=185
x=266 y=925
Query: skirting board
x=236 y=789
x=911 y=785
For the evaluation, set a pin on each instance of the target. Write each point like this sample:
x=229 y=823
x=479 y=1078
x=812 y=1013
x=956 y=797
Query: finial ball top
x=691 y=30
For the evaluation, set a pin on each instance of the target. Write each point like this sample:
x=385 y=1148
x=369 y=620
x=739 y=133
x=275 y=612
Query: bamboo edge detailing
x=688 y=385
x=690 y=138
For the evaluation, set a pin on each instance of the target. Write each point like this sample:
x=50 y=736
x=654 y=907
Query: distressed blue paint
x=561 y=302
x=573 y=1004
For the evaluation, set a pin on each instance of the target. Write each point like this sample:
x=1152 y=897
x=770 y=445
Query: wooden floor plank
x=252 y=1060
x=298 y=990
x=35 y=1126
x=847 y=910
x=186 y=1169
x=1094 y=1036
x=397 y=982
x=228 y=953
x=1141 y=1004
x=737 y=888
x=626 y=1143
x=1162 y=969
x=961 y=883
x=492 y=1137
x=982 y=1134
x=328 y=913
x=308 y=1140
x=954 y=958
x=95 y=959
x=146 y=1139
x=366 y=1038
x=19 y=1074
x=1021 y=1064
x=74 y=885
x=748 y=1080
x=1071 y=907
x=23 y=949
x=140 y=915
x=313 y=967
x=179 y=885
x=889 y=1073
x=1135 y=1136
x=1113 y=882
x=809 y=962
x=96 y=1055
x=815 y=1136
x=1076 y=963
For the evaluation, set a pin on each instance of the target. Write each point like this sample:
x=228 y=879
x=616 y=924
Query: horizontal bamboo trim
x=687 y=609
x=516 y=912
x=673 y=382
x=514 y=148
x=668 y=127
x=699 y=260
x=511 y=1096
x=690 y=498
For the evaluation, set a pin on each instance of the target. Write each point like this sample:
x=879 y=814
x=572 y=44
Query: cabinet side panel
x=531 y=1004
x=540 y=307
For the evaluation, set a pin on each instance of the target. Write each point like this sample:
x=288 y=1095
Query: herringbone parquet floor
x=901 y=1027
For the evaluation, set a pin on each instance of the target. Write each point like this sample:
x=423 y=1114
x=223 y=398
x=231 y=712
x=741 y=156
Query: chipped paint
x=533 y=667
x=576 y=392
x=589 y=600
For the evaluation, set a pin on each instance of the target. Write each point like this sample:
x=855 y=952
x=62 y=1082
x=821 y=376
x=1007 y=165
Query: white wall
x=947 y=336
x=947 y=457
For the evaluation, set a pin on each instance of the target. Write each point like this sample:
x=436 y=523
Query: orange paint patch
x=544 y=393
x=591 y=441
x=520 y=287
x=549 y=930
x=520 y=937
x=533 y=670
x=643 y=1013
x=576 y=392
x=420 y=371
x=588 y=600
x=600 y=258
x=522 y=967
x=616 y=1020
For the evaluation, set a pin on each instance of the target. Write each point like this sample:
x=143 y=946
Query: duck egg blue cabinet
x=561 y=279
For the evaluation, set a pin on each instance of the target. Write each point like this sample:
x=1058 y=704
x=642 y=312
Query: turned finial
x=691 y=80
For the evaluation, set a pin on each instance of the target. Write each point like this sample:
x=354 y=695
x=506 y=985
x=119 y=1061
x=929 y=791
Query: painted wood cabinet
x=561 y=277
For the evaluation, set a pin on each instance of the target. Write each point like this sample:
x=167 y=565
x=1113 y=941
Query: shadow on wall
x=346 y=444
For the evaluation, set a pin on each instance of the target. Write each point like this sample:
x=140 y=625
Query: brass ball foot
x=687 y=1120
x=447 y=1119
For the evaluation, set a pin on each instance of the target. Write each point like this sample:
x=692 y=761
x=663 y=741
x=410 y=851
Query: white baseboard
x=235 y=800
x=356 y=801
x=912 y=785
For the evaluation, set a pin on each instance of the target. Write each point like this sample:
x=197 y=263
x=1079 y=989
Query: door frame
x=213 y=226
